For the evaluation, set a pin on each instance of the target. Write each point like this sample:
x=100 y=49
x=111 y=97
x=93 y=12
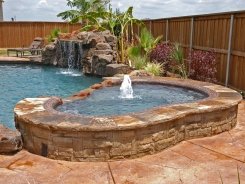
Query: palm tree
x=97 y=17
x=81 y=8
x=125 y=19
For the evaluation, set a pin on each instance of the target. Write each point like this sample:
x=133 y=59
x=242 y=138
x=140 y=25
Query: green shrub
x=3 y=52
x=147 y=41
x=139 y=62
x=178 y=61
x=133 y=51
x=54 y=34
x=156 y=69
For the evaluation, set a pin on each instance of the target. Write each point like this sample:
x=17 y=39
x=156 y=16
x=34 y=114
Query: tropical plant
x=146 y=40
x=133 y=51
x=53 y=34
x=145 y=44
x=98 y=18
x=156 y=69
x=202 y=65
x=110 y=21
x=114 y=21
x=178 y=61
x=124 y=20
x=139 y=62
x=81 y=8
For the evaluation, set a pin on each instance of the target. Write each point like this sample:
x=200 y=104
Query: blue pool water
x=21 y=81
x=108 y=101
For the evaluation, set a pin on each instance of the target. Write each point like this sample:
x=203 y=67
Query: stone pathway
x=211 y=160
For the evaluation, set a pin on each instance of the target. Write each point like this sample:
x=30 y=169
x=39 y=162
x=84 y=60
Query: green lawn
x=3 y=52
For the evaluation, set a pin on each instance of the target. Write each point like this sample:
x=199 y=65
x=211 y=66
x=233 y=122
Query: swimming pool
x=22 y=81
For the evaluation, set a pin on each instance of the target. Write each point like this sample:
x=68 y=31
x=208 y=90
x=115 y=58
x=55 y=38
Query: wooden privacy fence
x=224 y=33
x=19 y=34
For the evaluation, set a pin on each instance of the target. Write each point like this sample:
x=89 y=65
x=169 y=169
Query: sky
x=46 y=10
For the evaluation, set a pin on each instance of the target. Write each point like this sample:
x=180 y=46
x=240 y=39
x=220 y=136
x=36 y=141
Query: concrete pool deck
x=216 y=159
x=20 y=60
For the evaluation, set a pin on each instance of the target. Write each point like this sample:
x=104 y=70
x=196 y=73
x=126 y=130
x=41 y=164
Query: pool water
x=108 y=101
x=27 y=81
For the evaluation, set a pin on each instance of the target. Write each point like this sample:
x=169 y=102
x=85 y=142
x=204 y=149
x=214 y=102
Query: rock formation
x=90 y=52
x=10 y=140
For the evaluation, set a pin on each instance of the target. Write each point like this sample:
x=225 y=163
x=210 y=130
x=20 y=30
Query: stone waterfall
x=69 y=54
x=93 y=53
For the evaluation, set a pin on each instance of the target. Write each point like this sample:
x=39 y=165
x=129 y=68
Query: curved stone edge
x=219 y=98
x=61 y=136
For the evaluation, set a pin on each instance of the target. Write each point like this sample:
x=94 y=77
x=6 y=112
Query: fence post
x=166 y=30
x=150 y=26
x=229 y=51
x=191 y=40
x=191 y=33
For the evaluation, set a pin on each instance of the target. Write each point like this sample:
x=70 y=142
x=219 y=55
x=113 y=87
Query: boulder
x=74 y=35
x=48 y=54
x=113 y=69
x=50 y=47
x=174 y=75
x=106 y=32
x=139 y=73
x=95 y=38
x=89 y=53
x=82 y=35
x=105 y=58
x=99 y=52
x=65 y=36
x=10 y=140
x=103 y=46
x=110 y=38
x=87 y=66
x=99 y=64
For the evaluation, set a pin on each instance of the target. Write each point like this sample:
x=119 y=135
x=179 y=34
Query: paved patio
x=20 y=60
x=216 y=159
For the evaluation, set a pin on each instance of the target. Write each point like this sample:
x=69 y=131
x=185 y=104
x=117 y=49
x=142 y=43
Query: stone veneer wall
x=62 y=144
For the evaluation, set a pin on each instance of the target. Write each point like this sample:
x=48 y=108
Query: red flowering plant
x=202 y=65
x=162 y=54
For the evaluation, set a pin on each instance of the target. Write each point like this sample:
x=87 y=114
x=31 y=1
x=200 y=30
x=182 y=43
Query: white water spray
x=126 y=88
x=70 y=53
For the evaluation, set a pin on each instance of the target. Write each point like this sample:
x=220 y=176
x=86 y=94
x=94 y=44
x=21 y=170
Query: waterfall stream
x=70 y=54
x=70 y=57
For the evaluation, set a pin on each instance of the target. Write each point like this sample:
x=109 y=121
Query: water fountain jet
x=126 y=88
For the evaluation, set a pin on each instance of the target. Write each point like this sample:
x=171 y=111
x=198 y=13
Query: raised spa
x=109 y=101
x=103 y=123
